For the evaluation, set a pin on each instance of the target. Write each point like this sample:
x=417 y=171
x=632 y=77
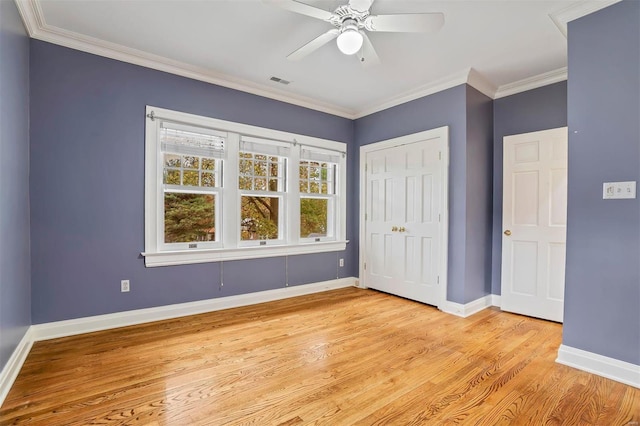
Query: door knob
x=507 y=232
x=394 y=228
x=402 y=229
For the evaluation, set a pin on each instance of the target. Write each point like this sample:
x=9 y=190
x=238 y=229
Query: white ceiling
x=242 y=43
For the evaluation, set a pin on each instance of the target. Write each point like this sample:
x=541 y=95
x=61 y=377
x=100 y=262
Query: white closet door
x=403 y=244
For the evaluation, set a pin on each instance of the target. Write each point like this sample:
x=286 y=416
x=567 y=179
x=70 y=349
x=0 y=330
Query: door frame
x=441 y=136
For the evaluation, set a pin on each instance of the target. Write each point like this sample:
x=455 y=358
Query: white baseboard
x=12 y=367
x=496 y=300
x=611 y=368
x=72 y=327
x=467 y=309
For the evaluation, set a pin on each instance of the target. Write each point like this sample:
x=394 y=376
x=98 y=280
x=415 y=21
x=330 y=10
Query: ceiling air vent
x=279 y=80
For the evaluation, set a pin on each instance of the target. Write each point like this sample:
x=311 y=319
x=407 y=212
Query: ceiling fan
x=351 y=21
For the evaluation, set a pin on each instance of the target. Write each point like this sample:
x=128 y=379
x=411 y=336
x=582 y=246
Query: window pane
x=172 y=177
x=260 y=184
x=259 y=218
x=208 y=164
x=324 y=188
x=245 y=182
x=273 y=170
x=304 y=185
x=208 y=179
x=246 y=167
x=304 y=170
x=188 y=217
x=189 y=162
x=260 y=168
x=171 y=160
x=190 y=178
x=313 y=217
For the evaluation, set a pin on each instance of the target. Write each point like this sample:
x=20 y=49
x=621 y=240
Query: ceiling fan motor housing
x=345 y=15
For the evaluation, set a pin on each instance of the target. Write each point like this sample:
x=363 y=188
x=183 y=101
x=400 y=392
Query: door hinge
x=438 y=280
x=365 y=216
x=366 y=166
x=439 y=218
x=365 y=266
x=439 y=155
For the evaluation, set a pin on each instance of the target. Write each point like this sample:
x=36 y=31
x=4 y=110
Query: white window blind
x=188 y=140
x=265 y=146
x=320 y=155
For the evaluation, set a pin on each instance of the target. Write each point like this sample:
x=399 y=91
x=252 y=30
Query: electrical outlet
x=341 y=263
x=124 y=286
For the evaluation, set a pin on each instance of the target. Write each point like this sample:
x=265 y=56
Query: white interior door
x=534 y=220
x=403 y=219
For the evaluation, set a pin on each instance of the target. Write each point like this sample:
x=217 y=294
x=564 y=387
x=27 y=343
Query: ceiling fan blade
x=314 y=44
x=405 y=23
x=301 y=8
x=367 y=54
x=360 y=5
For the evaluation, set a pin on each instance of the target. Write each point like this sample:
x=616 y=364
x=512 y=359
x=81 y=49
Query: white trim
x=185 y=257
x=467 y=309
x=577 y=10
x=35 y=24
x=530 y=83
x=33 y=19
x=481 y=84
x=469 y=76
x=14 y=364
x=73 y=327
x=496 y=300
x=611 y=368
x=441 y=133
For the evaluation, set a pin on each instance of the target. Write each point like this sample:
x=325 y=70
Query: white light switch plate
x=618 y=190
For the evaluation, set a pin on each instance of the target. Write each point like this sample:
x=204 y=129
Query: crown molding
x=481 y=84
x=33 y=18
x=469 y=76
x=38 y=29
x=416 y=93
x=563 y=16
x=530 y=83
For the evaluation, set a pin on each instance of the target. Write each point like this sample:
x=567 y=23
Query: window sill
x=185 y=257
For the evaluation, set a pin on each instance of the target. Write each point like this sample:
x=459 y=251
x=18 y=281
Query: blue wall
x=479 y=195
x=602 y=313
x=87 y=186
x=462 y=109
x=538 y=109
x=15 y=264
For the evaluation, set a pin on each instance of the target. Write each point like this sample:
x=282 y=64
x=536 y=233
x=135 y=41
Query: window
x=217 y=190
x=317 y=181
x=191 y=181
x=262 y=189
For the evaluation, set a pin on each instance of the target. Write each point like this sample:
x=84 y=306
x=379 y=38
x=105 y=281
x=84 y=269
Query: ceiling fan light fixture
x=350 y=40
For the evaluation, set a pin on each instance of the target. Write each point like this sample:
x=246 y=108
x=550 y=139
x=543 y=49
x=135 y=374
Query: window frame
x=228 y=244
x=330 y=196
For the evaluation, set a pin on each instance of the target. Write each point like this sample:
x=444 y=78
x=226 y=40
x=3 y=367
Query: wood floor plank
x=342 y=357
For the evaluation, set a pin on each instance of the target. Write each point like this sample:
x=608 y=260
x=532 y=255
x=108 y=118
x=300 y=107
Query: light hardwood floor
x=343 y=357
